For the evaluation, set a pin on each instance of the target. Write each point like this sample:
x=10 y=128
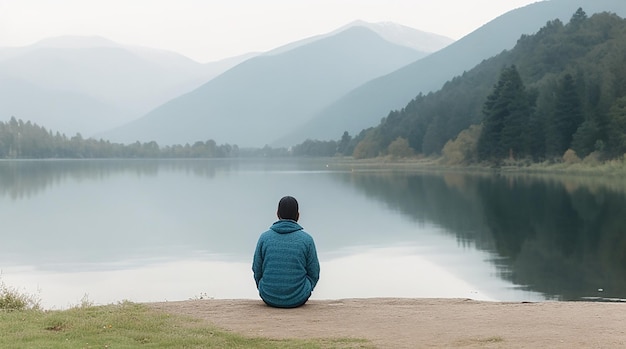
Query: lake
x=165 y=230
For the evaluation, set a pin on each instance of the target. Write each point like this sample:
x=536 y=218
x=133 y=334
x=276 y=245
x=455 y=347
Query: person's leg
x=287 y=306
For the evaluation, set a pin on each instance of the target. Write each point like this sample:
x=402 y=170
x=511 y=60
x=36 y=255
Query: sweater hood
x=285 y=226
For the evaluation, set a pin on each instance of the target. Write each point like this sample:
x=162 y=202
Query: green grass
x=131 y=325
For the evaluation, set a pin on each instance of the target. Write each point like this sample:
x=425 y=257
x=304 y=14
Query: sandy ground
x=422 y=323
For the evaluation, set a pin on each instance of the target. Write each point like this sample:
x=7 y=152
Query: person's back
x=285 y=265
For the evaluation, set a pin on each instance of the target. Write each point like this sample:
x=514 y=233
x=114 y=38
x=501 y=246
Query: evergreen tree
x=344 y=143
x=617 y=129
x=506 y=114
x=586 y=137
x=577 y=18
x=567 y=117
x=434 y=139
x=535 y=137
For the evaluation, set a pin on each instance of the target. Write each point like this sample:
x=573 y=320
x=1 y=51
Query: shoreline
x=615 y=167
x=420 y=322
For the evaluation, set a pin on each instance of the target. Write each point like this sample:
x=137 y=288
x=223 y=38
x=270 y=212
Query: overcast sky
x=209 y=30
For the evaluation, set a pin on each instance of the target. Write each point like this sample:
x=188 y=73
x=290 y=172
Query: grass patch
x=486 y=341
x=587 y=167
x=130 y=325
x=496 y=339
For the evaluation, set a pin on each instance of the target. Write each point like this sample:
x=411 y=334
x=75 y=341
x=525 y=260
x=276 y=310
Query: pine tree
x=577 y=18
x=617 y=130
x=567 y=117
x=506 y=114
x=586 y=137
x=342 y=147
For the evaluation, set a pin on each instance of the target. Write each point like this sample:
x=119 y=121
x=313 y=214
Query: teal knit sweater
x=285 y=265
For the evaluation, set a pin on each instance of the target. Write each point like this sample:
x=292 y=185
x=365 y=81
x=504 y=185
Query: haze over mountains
x=315 y=88
x=271 y=109
x=393 y=32
x=366 y=105
x=90 y=84
x=268 y=95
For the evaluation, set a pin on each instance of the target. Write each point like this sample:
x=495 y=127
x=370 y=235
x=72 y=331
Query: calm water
x=174 y=230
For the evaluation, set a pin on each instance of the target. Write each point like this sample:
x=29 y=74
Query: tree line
x=26 y=140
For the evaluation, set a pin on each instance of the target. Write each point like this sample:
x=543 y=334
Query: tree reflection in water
x=563 y=237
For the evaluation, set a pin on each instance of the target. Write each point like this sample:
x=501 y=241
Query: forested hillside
x=364 y=106
x=561 y=88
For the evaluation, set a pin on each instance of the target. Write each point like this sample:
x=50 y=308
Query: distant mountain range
x=315 y=88
x=90 y=84
x=366 y=105
x=304 y=90
x=96 y=87
x=269 y=95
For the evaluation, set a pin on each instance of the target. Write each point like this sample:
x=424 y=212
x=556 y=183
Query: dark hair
x=288 y=208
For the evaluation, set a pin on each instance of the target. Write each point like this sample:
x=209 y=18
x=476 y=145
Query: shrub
x=570 y=157
x=593 y=159
x=400 y=148
x=463 y=149
x=12 y=299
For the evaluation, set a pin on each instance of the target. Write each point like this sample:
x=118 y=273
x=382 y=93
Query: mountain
x=366 y=105
x=393 y=32
x=407 y=36
x=561 y=88
x=56 y=110
x=268 y=95
x=89 y=84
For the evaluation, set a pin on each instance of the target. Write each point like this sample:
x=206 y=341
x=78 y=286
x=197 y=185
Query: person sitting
x=285 y=264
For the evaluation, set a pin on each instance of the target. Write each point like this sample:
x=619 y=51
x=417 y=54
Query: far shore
x=421 y=323
x=609 y=174
x=608 y=168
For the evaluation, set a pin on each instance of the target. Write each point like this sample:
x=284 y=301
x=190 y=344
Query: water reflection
x=558 y=237
x=168 y=230
x=83 y=214
x=21 y=179
x=146 y=282
x=359 y=273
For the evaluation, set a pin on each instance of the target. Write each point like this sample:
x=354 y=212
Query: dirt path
x=423 y=323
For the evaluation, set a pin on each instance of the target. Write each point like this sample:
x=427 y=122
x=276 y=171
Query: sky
x=210 y=30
